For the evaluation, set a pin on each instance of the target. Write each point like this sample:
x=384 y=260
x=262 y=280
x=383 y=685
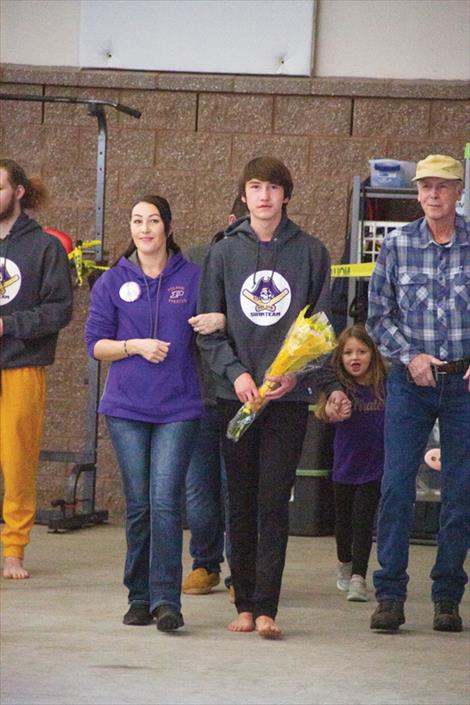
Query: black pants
x=261 y=470
x=355 y=507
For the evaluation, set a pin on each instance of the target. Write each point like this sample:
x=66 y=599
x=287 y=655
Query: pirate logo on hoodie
x=10 y=281
x=265 y=297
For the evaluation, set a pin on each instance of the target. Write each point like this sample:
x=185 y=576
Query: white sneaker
x=357 y=589
x=343 y=575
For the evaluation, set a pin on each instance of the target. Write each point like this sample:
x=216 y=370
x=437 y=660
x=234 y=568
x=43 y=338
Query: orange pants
x=22 y=402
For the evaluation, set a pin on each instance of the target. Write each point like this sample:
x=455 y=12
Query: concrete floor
x=63 y=642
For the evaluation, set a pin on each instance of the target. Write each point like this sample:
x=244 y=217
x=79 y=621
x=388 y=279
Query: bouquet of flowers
x=308 y=338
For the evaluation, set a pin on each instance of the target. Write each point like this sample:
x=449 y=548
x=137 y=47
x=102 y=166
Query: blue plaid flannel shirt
x=419 y=294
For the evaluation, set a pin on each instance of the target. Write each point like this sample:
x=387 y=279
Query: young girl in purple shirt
x=358 y=454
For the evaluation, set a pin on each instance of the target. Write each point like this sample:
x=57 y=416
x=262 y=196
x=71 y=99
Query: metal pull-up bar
x=96 y=108
x=68 y=517
x=72 y=99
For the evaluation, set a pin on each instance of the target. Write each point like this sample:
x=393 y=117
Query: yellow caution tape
x=364 y=269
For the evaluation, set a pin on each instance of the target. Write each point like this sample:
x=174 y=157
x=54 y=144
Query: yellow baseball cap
x=440 y=166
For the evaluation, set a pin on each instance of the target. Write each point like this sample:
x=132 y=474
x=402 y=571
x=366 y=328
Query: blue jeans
x=410 y=414
x=153 y=459
x=207 y=499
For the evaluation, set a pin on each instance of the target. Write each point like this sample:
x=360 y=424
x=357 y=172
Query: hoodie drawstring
x=153 y=318
x=258 y=257
x=258 y=247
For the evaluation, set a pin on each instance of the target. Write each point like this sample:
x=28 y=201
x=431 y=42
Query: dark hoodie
x=260 y=287
x=35 y=295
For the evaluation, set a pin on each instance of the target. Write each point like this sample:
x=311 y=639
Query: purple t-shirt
x=359 y=441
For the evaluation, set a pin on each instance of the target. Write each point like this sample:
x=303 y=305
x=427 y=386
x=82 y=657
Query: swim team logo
x=265 y=297
x=10 y=281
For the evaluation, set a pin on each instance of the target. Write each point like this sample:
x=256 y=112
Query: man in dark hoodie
x=264 y=271
x=206 y=482
x=35 y=303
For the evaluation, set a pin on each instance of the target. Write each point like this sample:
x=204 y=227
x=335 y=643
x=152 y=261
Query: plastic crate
x=391 y=173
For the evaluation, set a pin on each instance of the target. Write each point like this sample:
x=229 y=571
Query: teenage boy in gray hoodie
x=260 y=275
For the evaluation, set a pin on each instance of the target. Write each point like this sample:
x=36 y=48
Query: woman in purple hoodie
x=138 y=321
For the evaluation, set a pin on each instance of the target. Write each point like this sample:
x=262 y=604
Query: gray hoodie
x=260 y=287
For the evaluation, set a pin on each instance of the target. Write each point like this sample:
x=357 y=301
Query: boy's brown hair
x=267 y=169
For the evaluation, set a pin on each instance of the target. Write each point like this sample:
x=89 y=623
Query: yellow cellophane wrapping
x=308 y=338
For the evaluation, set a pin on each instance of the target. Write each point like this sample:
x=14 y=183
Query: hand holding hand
x=245 y=388
x=206 y=323
x=338 y=406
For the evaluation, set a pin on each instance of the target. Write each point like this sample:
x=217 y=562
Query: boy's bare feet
x=267 y=628
x=243 y=623
x=13 y=568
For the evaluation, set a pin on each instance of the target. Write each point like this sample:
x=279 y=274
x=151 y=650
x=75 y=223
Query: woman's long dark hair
x=165 y=214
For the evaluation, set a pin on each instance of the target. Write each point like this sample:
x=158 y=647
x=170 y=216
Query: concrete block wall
x=195 y=134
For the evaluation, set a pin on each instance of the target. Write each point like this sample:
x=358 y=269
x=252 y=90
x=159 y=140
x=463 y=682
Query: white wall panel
x=394 y=39
x=40 y=32
x=427 y=39
x=215 y=36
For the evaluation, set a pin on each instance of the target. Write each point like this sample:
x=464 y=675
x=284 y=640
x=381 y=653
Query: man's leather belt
x=456 y=367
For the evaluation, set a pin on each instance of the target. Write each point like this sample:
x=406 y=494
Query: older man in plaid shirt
x=419 y=314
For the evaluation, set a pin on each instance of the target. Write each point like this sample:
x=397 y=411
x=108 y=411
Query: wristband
x=125 y=348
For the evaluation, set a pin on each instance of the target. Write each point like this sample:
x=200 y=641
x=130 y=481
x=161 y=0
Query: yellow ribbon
x=364 y=269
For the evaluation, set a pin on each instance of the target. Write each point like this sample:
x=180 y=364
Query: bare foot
x=267 y=628
x=243 y=623
x=13 y=568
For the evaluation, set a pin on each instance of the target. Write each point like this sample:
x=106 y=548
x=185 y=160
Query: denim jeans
x=410 y=414
x=153 y=459
x=207 y=498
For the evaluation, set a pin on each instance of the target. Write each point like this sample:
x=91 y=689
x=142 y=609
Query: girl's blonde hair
x=377 y=371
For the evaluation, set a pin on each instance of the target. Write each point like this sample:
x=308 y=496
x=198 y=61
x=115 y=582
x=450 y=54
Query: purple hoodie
x=125 y=304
